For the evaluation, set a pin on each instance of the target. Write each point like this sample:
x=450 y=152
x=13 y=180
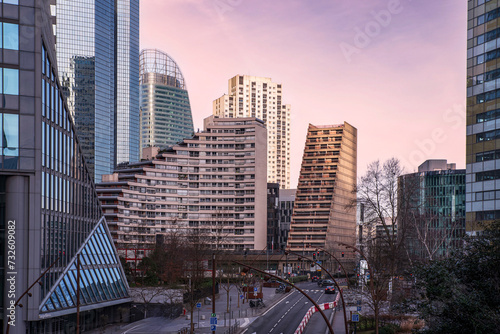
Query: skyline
x=411 y=74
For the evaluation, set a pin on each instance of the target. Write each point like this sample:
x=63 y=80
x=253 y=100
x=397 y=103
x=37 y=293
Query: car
x=330 y=289
x=319 y=281
x=314 y=278
x=327 y=282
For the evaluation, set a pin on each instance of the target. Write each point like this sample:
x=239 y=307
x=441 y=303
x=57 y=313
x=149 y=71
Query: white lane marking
x=131 y=329
x=245 y=323
x=276 y=304
x=287 y=302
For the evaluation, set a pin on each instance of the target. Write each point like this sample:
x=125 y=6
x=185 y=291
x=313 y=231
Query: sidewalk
x=244 y=314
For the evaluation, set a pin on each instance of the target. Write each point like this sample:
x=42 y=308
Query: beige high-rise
x=259 y=97
x=321 y=217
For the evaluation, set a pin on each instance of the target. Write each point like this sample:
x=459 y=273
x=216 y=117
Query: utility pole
x=213 y=285
x=78 y=294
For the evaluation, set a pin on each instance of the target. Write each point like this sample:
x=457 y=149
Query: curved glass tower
x=165 y=109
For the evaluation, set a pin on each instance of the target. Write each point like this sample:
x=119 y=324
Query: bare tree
x=377 y=192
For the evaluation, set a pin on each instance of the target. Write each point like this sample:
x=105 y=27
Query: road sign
x=213 y=321
x=241 y=296
x=355 y=317
x=358 y=309
x=254 y=289
x=213 y=327
x=198 y=305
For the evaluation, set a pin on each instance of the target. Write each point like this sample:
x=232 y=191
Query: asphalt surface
x=285 y=316
x=282 y=314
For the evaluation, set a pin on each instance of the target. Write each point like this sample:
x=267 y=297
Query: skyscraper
x=98 y=58
x=165 y=109
x=49 y=212
x=250 y=96
x=483 y=113
x=326 y=183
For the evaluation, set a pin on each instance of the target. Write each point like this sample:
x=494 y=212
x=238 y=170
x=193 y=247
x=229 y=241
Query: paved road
x=285 y=316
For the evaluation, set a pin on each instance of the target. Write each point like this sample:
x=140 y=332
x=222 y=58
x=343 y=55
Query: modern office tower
x=437 y=223
x=165 y=109
x=483 y=113
x=326 y=186
x=49 y=211
x=286 y=200
x=98 y=58
x=214 y=182
x=273 y=220
x=259 y=97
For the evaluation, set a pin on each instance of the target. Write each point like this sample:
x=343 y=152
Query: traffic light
x=342 y=254
x=314 y=256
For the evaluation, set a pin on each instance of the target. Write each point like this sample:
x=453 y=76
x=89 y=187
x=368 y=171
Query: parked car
x=327 y=282
x=330 y=289
x=319 y=281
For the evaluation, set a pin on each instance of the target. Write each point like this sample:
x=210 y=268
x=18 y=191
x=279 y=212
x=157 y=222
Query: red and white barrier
x=312 y=310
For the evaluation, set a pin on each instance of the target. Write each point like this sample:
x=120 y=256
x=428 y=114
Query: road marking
x=131 y=329
x=275 y=305
x=245 y=323
x=287 y=302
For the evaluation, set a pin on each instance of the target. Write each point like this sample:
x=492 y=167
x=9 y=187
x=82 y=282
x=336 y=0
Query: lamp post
x=338 y=287
x=28 y=293
x=345 y=272
x=298 y=289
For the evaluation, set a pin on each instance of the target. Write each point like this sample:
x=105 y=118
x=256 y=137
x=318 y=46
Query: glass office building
x=165 y=109
x=49 y=212
x=98 y=58
x=436 y=225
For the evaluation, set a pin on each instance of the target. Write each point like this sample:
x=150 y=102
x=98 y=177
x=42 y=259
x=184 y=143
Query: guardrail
x=312 y=310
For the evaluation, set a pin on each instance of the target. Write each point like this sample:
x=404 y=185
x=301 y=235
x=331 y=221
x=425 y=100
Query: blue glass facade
x=48 y=202
x=98 y=57
x=100 y=275
x=438 y=213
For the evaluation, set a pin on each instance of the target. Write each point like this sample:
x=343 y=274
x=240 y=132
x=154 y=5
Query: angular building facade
x=98 y=58
x=483 y=113
x=438 y=210
x=165 y=109
x=49 y=211
x=214 y=182
x=326 y=186
x=250 y=96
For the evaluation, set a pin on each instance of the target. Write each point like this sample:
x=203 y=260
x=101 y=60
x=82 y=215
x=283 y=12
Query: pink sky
x=403 y=88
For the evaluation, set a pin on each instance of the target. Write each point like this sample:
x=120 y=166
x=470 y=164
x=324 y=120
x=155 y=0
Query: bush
x=297 y=279
x=389 y=329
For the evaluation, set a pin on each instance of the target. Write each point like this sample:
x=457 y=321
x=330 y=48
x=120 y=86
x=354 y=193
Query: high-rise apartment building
x=321 y=217
x=165 y=109
x=49 y=211
x=436 y=225
x=98 y=58
x=483 y=113
x=250 y=96
x=214 y=182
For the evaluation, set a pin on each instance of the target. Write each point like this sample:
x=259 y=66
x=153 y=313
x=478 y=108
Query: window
x=12 y=2
x=9 y=36
x=9 y=82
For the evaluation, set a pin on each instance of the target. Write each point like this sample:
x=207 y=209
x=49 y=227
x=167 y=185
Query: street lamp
x=333 y=256
x=298 y=289
x=338 y=287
